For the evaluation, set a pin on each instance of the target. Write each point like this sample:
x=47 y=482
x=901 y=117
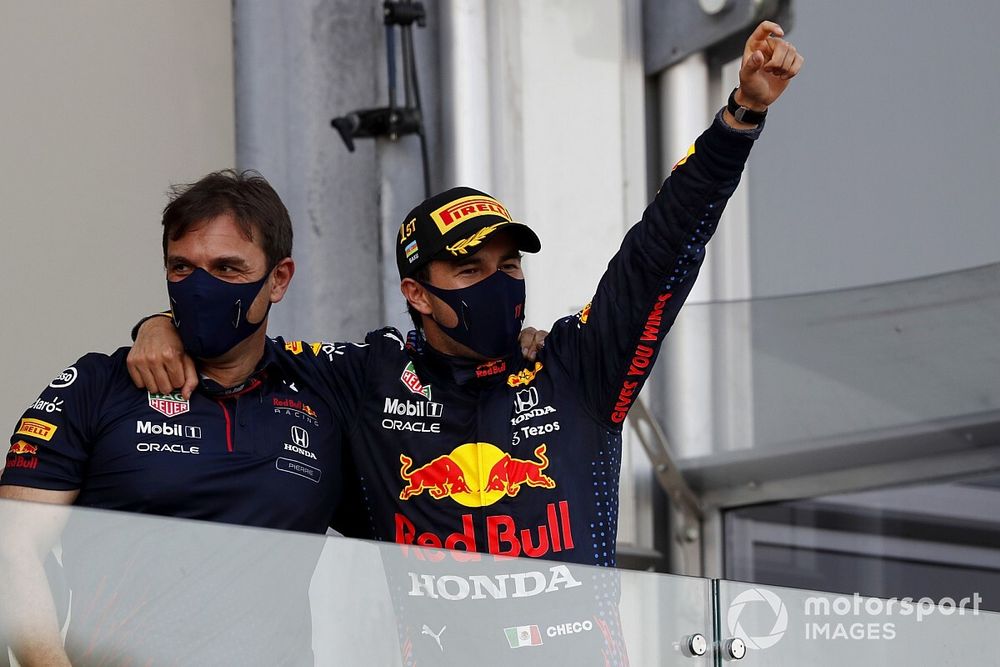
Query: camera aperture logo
x=833 y=617
x=759 y=599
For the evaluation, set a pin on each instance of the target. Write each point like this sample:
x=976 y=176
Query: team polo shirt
x=267 y=453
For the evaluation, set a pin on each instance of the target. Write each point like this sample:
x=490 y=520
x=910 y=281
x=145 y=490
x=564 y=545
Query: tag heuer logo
x=169 y=405
x=412 y=382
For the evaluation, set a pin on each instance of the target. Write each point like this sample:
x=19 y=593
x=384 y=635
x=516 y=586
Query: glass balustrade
x=128 y=589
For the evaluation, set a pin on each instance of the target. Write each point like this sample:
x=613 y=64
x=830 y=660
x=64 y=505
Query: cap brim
x=527 y=240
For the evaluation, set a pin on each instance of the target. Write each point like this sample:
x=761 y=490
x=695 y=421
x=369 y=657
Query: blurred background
x=830 y=392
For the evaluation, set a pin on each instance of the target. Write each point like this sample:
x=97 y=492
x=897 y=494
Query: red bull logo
x=299 y=346
x=508 y=474
x=524 y=377
x=503 y=536
x=27 y=458
x=22 y=447
x=491 y=368
x=292 y=405
x=441 y=477
x=476 y=474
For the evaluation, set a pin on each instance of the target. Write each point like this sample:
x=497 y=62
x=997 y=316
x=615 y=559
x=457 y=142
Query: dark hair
x=421 y=275
x=246 y=195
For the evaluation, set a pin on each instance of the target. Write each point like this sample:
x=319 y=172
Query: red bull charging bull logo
x=22 y=455
x=22 y=447
x=475 y=474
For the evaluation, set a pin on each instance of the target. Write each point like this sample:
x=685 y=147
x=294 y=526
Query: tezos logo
x=758 y=595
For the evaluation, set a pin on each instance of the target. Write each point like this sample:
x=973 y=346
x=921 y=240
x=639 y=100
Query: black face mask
x=211 y=314
x=490 y=314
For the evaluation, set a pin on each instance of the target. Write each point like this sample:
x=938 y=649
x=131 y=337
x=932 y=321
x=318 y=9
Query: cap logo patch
x=455 y=213
x=462 y=247
x=412 y=251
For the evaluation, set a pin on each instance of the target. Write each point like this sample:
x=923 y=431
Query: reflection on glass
x=133 y=589
x=938 y=539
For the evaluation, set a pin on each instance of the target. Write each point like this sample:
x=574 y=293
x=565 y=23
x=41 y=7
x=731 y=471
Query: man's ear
x=281 y=277
x=416 y=295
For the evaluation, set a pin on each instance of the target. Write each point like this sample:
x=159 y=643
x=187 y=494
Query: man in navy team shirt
x=254 y=445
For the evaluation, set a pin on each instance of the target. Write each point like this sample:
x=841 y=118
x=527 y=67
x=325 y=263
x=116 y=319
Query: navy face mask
x=490 y=314
x=211 y=314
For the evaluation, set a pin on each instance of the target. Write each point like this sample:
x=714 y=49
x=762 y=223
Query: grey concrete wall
x=880 y=164
x=104 y=105
x=298 y=64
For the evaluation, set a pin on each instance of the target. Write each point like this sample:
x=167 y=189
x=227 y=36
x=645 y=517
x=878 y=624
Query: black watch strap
x=742 y=114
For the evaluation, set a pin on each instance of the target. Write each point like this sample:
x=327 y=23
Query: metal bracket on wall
x=686 y=504
x=394 y=121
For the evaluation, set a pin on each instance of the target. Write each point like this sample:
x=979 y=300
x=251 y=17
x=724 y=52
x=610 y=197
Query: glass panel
x=821 y=382
x=135 y=589
x=786 y=626
x=918 y=540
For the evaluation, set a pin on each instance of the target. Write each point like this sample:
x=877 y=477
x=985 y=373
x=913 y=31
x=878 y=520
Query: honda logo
x=526 y=399
x=300 y=437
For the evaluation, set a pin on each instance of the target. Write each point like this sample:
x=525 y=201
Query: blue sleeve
x=52 y=440
x=611 y=345
x=338 y=371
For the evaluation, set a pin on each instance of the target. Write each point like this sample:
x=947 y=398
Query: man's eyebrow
x=230 y=261
x=513 y=254
x=466 y=261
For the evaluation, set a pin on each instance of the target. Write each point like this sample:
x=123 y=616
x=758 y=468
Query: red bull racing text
x=504 y=537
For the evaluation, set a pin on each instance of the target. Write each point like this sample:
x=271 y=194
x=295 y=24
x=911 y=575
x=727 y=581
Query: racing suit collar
x=459 y=370
x=268 y=366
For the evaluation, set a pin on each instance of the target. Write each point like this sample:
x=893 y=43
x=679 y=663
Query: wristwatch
x=742 y=114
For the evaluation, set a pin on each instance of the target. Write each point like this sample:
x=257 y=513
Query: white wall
x=569 y=159
x=105 y=104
